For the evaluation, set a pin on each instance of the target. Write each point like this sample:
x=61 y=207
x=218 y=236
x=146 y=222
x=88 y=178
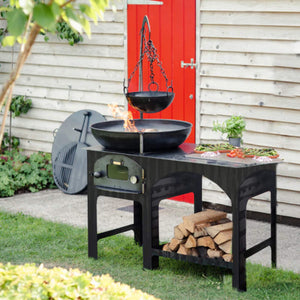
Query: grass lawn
x=24 y=239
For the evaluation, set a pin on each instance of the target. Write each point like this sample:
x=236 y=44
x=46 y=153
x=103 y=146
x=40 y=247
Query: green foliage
x=9 y=142
x=45 y=15
x=20 y=105
x=233 y=127
x=21 y=173
x=51 y=16
x=31 y=282
x=64 y=31
x=16 y=22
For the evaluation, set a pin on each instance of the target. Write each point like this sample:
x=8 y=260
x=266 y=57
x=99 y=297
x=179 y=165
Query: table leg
x=150 y=233
x=198 y=195
x=92 y=223
x=138 y=226
x=239 y=246
x=273 y=228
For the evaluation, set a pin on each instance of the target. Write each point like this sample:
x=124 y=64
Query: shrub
x=21 y=173
x=31 y=282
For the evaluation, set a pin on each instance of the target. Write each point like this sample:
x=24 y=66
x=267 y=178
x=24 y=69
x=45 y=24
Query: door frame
x=197 y=58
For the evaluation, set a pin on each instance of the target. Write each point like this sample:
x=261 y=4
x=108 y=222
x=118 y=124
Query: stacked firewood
x=207 y=233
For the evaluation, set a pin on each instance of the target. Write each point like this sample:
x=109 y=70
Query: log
x=214 y=253
x=174 y=244
x=214 y=230
x=178 y=234
x=202 y=217
x=185 y=232
x=223 y=237
x=226 y=247
x=183 y=250
x=191 y=242
x=227 y=257
x=200 y=229
x=166 y=247
x=206 y=241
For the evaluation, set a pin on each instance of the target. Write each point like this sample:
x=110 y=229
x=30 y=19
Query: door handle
x=192 y=64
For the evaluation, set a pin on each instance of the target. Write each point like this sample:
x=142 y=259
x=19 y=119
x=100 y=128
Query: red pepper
x=231 y=154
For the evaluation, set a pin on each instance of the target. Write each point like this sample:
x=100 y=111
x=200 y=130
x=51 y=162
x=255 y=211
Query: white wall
x=250 y=65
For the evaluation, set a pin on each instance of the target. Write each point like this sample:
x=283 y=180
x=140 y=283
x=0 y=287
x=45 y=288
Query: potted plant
x=233 y=127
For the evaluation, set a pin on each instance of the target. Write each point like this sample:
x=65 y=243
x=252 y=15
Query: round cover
x=69 y=158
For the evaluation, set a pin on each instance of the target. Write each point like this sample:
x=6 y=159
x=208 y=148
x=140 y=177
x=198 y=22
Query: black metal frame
x=175 y=173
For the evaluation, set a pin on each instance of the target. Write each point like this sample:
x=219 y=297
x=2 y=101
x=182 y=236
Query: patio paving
x=53 y=205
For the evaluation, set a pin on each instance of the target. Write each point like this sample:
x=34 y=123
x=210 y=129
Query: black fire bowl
x=150 y=101
x=160 y=134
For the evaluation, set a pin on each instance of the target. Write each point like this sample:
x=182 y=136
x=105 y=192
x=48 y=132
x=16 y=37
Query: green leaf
x=73 y=20
x=55 y=9
x=86 y=9
x=86 y=26
x=8 y=41
x=16 y=22
x=44 y=16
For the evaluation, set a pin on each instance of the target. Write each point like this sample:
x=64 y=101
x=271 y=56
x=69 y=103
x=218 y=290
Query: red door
x=173 y=32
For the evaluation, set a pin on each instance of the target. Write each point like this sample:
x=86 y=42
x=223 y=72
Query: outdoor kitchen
x=160 y=150
x=151 y=162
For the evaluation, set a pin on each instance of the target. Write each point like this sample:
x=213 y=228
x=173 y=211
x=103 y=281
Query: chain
x=152 y=56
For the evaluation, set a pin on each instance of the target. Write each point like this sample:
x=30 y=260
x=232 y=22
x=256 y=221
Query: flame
x=126 y=116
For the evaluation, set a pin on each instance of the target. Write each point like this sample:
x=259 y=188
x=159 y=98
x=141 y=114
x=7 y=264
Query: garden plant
x=232 y=127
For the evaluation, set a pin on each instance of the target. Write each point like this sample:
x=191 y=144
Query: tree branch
x=66 y=3
x=20 y=62
x=8 y=86
x=7 y=106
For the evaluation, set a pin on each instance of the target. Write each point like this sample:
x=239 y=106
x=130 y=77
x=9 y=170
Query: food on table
x=233 y=151
x=252 y=152
x=222 y=147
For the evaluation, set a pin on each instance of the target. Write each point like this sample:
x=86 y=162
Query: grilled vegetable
x=214 y=147
x=260 y=152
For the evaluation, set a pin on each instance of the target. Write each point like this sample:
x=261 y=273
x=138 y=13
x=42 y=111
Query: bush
x=21 y=173
x=31 y=282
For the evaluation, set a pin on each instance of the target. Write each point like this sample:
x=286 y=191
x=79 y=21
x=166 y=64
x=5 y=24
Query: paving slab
x=54 y=205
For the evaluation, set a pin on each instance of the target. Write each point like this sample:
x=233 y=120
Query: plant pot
x=235 y=142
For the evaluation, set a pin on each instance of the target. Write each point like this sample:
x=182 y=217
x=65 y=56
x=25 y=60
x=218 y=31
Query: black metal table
x=167 y=174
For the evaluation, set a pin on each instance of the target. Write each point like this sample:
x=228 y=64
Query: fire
x=126 y=116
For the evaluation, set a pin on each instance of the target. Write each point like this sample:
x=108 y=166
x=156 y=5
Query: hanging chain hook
x=147 y=47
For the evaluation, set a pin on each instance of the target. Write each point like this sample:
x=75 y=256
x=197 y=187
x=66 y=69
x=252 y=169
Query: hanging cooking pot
x=150 y=101
x=153 y=100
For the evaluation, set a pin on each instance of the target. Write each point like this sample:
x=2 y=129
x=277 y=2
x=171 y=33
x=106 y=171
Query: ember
x=126 y=116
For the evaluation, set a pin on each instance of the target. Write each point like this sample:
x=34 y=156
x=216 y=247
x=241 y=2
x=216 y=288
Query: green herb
x=233 y=127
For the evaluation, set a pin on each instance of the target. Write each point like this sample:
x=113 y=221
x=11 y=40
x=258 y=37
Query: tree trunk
x=8 y=86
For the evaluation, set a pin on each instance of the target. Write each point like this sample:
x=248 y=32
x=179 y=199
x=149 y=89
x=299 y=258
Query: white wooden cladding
x=62 y=79
x=250 y=65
